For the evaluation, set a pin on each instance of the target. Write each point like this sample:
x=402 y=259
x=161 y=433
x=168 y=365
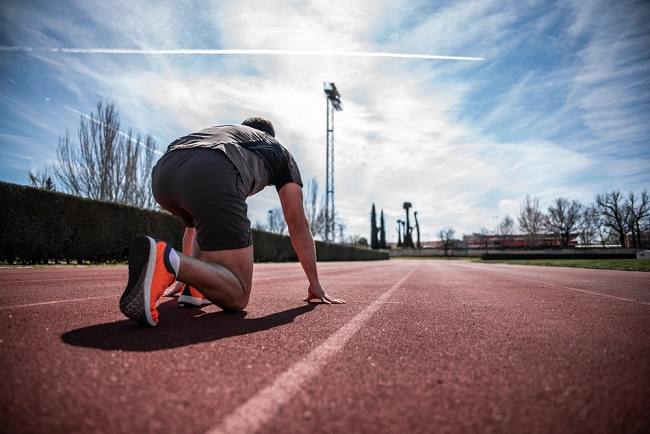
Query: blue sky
x=559 y=107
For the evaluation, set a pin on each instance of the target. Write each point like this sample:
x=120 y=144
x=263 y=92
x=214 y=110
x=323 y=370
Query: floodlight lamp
x=333 y=95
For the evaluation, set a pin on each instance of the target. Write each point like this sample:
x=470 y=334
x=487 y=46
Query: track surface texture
x=422 y=346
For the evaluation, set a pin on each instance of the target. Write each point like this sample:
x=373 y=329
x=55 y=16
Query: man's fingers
x=173 y=289
x=325 y=299
x=334 y=300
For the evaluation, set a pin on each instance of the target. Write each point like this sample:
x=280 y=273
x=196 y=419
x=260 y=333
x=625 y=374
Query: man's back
x=260 y=159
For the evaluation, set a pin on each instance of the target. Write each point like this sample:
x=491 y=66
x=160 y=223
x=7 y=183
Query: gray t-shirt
x=260 y=159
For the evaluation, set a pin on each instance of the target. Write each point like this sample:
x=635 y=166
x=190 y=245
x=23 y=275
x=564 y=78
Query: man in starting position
x=205 y=178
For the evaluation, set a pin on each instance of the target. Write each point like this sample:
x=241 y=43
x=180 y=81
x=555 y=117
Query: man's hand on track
x=316 y=292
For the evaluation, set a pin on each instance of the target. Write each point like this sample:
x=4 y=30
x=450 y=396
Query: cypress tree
x=382 y=231
x=374 y=243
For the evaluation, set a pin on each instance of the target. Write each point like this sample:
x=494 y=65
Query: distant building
x=643 y=242
x=436 y=244
x=518 y=241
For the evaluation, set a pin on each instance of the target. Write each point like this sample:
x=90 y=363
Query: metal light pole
x=333 y=99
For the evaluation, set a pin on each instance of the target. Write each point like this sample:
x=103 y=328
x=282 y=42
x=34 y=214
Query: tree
x=589 y=227
x=340 y=226
x=275 y=221
x=41 y=179
x=417 y=229
x=614 y=214
x=563 y=218
x=447 y=237
x=507 y=226
x=106 y=163
x=382 y=231
x=374 y=242
x=357 y=240
x=507 y=229
x=314 y=209
x=531 y=219
x=638 y=210
x=408 y=238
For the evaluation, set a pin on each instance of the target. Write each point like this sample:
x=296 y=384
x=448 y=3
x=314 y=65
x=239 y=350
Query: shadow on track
x=177 y=328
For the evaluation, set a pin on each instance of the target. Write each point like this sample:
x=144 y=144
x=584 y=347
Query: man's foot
x=190 y=297
x=149 y=274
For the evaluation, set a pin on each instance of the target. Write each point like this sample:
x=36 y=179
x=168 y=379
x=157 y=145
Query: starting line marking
x=264 y=405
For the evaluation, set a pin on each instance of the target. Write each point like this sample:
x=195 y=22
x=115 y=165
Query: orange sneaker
x=191 y=297
x=149 y=274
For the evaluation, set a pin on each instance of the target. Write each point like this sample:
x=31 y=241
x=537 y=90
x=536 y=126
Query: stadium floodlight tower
x=333 y=99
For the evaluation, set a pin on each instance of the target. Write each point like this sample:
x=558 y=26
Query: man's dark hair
x=260 y=124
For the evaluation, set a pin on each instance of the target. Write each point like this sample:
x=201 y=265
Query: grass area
x=428 y=258
x=603 y=264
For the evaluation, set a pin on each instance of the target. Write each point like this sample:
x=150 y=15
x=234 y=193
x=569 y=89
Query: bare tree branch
x=614 y=213
x=531 y=219
x=563 y=218
x=106 y=163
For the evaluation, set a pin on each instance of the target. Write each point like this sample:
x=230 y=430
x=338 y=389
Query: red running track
x=421 y=346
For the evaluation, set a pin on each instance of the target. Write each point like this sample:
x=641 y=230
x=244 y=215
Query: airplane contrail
x=241 y=52
x=121 y=133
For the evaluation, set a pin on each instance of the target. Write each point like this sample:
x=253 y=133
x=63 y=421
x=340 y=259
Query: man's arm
x=302 y=240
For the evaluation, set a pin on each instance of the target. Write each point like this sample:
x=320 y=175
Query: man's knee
x=239 y=304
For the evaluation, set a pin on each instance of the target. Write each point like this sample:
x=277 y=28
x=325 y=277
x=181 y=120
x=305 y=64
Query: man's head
x=261 y=124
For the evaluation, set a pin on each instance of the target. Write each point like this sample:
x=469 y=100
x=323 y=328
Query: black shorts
x=205 y=189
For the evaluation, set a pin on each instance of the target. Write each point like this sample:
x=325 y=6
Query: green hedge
x=39 y=225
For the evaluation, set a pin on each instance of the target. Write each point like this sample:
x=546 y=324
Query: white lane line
x=256 y=281
x=6 y=282
x=261 y=276
x=540 y=282
x=252 y=415
x=43 y=303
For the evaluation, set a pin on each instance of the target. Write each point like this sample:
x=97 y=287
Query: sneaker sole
x=135 y=300
x=189 y=301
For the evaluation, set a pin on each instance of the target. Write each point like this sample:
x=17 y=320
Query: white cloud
x=400 y=136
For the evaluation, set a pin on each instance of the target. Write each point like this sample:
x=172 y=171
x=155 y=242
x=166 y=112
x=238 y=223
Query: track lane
x=455 y=350
x=183 y=375
x=623 y=285
x=464 y=352
x=20 y=288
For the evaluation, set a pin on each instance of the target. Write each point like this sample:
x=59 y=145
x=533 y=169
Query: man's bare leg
x=190 y=248
x=224 y=277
